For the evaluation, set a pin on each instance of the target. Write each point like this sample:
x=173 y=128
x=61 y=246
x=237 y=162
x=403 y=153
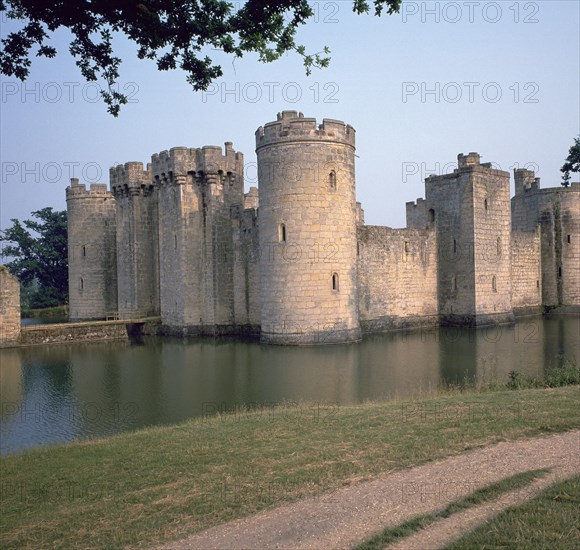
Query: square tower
x=137 y=240
x=470 y=209
x=197 y=190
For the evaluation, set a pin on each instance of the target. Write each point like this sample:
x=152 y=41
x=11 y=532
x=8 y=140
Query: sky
x=438 y=79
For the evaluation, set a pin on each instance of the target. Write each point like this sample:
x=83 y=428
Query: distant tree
x=176 y=34
x=572 y=163
x=40 y=260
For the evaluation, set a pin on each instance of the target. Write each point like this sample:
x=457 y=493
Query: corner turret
x=91 y=251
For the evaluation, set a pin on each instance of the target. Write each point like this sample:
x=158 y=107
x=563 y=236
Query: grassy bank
x=162 y=483
x=45 y=313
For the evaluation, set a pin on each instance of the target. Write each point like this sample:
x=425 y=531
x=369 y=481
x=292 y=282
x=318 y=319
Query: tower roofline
x=292 y=126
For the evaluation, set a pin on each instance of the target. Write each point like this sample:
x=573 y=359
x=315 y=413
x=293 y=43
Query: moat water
x=62 y=393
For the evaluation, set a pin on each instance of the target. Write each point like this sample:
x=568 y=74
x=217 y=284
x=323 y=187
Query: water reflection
x=61 y=393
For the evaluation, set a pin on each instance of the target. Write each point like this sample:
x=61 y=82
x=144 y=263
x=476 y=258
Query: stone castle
x=294 y=263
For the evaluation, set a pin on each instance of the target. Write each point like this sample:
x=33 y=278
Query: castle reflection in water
x=68 y=392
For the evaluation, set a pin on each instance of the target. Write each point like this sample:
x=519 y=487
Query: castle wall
x=557 y=211
x=307 y=231
x=251 y=199
x=197 y=191
x=526 y=271
x=452 y=200
x=492 y=238
x=570 y=237
x=180 y=250
x=137 y=241
x=225 y=196
x=470 y=211
x=416 y=214
x=397 y=277
x=9 y=307
x=247 y=306
x=92 y=253
x=295 y=261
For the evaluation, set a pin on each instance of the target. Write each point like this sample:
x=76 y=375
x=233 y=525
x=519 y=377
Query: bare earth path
x=352 y=514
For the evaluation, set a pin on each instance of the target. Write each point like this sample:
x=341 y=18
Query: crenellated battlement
x=471 y=159
x=251 y=198
x=180 y=161
x=130 y=178
x=293 y=126
x=417 y=213
x=420 y=202
x=525 y=180
x=467 y=164
x=80 y=191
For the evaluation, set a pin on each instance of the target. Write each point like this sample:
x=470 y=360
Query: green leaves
x=39 y=248
x=572 y=163
x=170 y=31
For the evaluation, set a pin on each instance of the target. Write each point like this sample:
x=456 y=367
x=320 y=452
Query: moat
x=64 y=393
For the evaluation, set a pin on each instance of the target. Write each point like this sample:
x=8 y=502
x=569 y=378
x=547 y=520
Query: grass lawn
x=163 y=483
x=47 y=312
x=392 y=535
x=551 y=520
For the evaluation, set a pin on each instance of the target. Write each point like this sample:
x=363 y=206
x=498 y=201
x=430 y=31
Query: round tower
x=307 y=226
x=92 y=258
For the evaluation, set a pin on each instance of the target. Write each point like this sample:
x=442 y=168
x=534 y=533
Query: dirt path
x=350 y=515
x=443 y=532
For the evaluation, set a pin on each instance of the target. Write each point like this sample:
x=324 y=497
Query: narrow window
x=569 y=239
x=282 y=233
x=560 y=272
x=453 y=283
x=485 y=205
x=175 y=241
x=332 y=180
x=499 y=246
x=494 y=284
x=431 y=215
x=537 y=283
x=454 y=246
x=406 y=246
x=84 y=251
x=335 y=282
x=81 y=283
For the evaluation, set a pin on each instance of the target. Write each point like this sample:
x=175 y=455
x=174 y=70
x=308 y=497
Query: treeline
x=38 y=255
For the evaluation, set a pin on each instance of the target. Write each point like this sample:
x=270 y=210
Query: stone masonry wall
x=295 y=261
x=570 y=236
x=137 y=241
x=9 y=307
x=246 y=270
x=180 y=251
x=91 y=252
x=451 y=198
x=492 y=237
x=397 y=277
x=417 y=214
x=470 y=210
x=197 y=190
x=557 y=211
x=307 y=221
x=526 y=271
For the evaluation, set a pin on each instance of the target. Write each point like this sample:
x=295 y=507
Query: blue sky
x=499 y=78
